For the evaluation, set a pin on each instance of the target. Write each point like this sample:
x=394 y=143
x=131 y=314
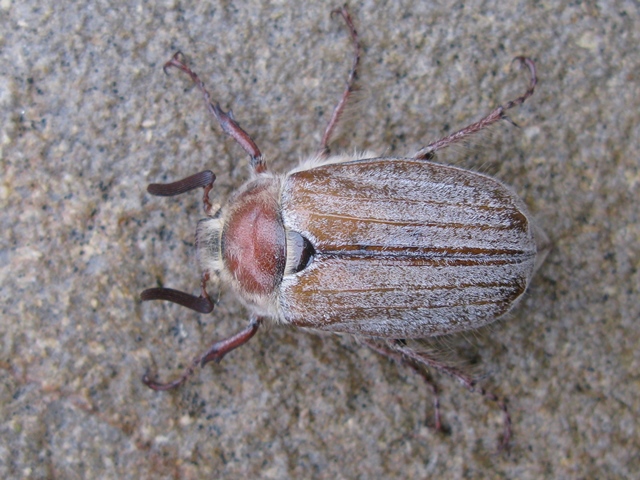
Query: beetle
x=383 y=248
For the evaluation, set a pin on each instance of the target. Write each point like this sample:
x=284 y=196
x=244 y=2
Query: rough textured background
x=88 y=119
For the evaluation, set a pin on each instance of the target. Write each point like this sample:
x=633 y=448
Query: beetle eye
x=300 y=252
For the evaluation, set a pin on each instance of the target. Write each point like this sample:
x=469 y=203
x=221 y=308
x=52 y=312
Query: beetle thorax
x=246 y=245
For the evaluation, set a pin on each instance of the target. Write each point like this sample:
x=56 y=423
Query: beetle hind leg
x=419 y=361
x=416 y=367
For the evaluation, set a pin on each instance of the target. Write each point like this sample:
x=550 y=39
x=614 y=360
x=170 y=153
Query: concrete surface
x=88 y=119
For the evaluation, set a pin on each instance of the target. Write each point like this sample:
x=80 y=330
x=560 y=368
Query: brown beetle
x=383 y=248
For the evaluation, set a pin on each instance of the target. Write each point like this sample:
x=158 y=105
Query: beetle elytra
x=383 y=248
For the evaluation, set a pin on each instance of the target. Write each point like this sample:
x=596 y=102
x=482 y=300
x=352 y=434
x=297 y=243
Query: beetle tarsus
x=174 y=62
x=495 y=116
x=437 y=420
x=159 y=386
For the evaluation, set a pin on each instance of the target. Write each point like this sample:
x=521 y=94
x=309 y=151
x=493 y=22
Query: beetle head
x=246 y=245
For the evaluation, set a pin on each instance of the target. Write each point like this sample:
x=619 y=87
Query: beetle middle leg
x=353 y=75
x=418 y=361
x=496 y=115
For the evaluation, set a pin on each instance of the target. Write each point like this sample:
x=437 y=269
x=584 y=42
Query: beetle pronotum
x=386 y=249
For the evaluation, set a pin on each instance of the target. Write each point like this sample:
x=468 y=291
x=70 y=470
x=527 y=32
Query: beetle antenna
x=201 y=304
x=203 y=179
x=496 y=115
x=198 y=304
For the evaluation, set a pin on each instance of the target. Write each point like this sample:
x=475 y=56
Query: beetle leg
x=214 y=353
x=219 y=349
x=225 y=119
x=418 y=360
x=496 y=115
x=353 y=75
x=437 y=421
x=419 y=369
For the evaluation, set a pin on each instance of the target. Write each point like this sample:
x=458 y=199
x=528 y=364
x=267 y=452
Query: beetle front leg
x=225 y=119
x=214 y=353
x=496 y=115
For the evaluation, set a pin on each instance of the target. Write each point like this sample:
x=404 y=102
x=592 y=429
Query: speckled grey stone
x=88 y=119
